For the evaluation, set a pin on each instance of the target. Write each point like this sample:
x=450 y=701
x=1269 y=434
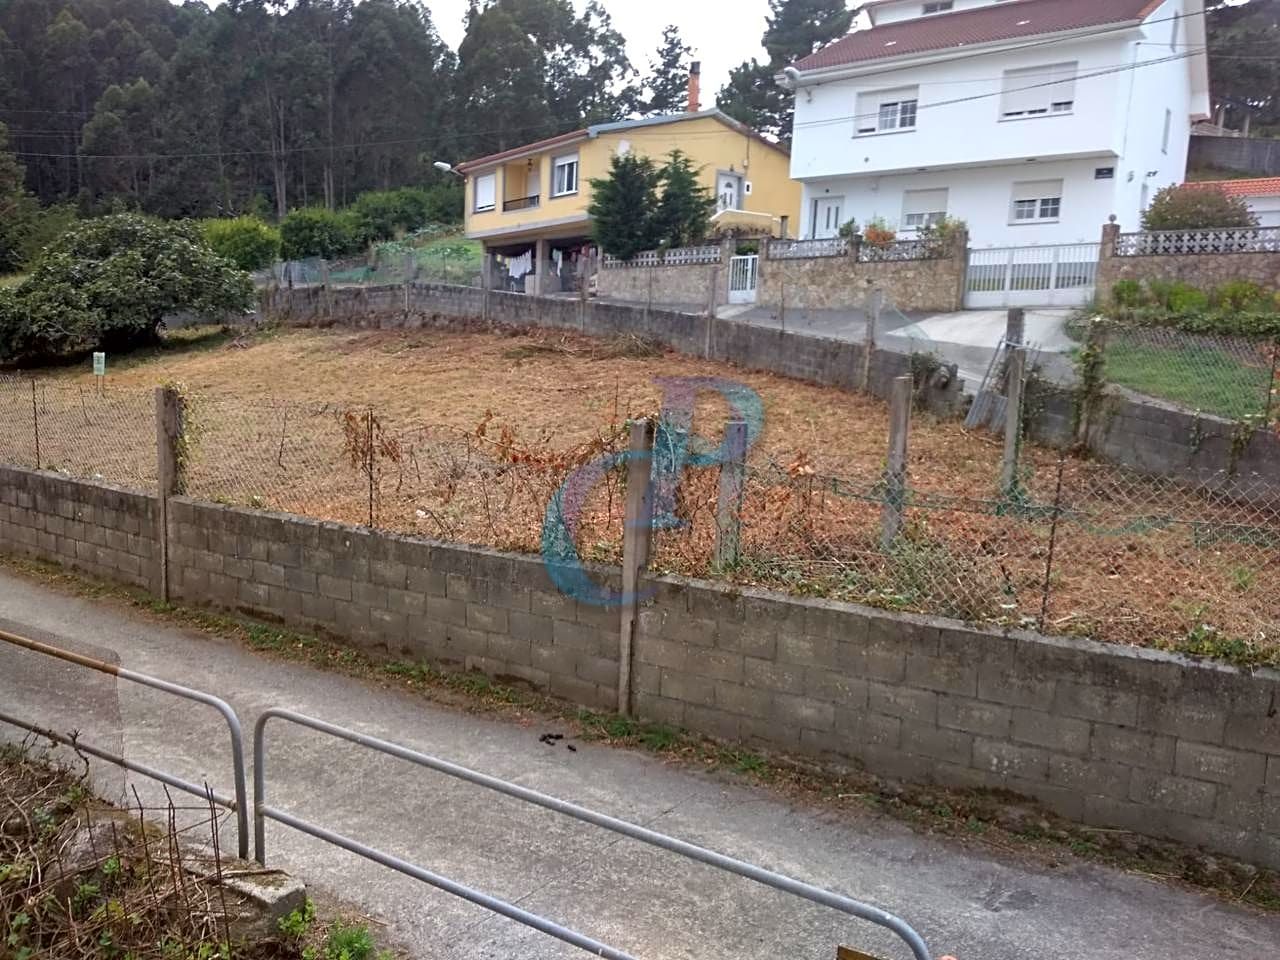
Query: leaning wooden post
x=486 y=284
x=410 y=268
x=1015 y=326
x=636 y=532
x=1013 y=419
x=169 y=473
x=895 y=475
x=729 y=502
x=875 y=304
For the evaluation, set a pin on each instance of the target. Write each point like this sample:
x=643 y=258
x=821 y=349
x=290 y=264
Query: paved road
x=967 y=902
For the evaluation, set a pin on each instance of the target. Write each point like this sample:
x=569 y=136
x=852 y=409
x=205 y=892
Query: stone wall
x=1112 y=736
x=687 y=285
x=1202 y=270
x=842 y=283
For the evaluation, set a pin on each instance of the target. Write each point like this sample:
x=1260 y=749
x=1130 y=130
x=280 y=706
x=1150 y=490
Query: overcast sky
x=723 y=33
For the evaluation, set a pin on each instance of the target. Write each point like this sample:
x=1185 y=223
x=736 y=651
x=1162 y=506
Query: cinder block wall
x=105 y=531
x=1110 y=736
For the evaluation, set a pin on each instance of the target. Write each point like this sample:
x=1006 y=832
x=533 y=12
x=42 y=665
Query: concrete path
x=969 y=902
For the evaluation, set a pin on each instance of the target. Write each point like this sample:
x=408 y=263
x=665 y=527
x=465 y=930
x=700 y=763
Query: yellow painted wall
x=713 y=146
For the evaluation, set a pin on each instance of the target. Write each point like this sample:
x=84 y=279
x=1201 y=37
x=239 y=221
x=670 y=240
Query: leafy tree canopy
x=667 y=86
x=1185 y=207
x=622 y=206
x=1245 y=72
x=110 y=282
x=684 y=212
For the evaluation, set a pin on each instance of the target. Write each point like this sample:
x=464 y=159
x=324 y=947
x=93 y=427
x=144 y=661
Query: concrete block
x=1236 y=768
x=1179 y=794
x=300 y=581
x=863 y=727
x=1060 y=734
x=803 y=712
x=743 y=700
x=223 y=589
x=1133 y=748
x=1197 y=717
x=460 y=587
x=406 y=602
x=1010 y=759
x=318 y=609
x=335 y=588
x=974 y=716
x=1092 y=777
x=530 y=627
x=659 y=709
x=369 y=594
x=768 y=733
x=942 y=675
x=1022 y=687
x=688 y=689
x=1252 y=730
x=808 y=651
x=240 y=567
x=1251 y=809
x=253 y=594
x=714 y=604
x=835 y=687
x=575 y=690
x=268 y=573
x=388 y=573
x=511 y=650
x=388 y=623
x=426 y=582
x=768 y=675
x=584 y=638
x=712 y=722
x=510 y=596
x=1063 y=801
x=713 y=663
x=445 y=610
x=599 y=670
x=908 y=703
x=285 y=554
x=749 y=639
x=488 y=619
x=1090 y=702
x=924 y=739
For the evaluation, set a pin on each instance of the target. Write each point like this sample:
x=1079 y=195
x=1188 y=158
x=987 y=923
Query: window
x=564 y=177
x=1036 y=201
x=1038 y=91
x=1104 y=173
x=1168 y=127
x=937 y=6
x=486 y=188
x=923 y=208
x=884 y=110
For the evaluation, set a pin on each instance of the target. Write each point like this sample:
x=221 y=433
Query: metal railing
x=1179 y=242
x=237 y=805
x=808 y=249
x=263 y=812
x=675 y=257
x=901 y=250
x=521 y=203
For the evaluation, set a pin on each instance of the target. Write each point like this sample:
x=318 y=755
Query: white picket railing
x=1178 y=242
x=675 y=257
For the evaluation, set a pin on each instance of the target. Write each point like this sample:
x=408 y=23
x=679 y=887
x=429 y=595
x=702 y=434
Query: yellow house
x=529 y=205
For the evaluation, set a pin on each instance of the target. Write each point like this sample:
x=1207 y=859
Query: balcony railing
x=523 y=203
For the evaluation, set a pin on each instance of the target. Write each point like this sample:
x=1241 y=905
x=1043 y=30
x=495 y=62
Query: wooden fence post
x=895 y=475
x=1015 y=328
x=729 y=501
x=169 y=473
x=1013 y=419
x=636 y=533
x=875 y=304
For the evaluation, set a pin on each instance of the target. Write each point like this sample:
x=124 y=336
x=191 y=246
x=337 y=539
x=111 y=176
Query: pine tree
x=667 y=87
x=684 y=213
x=796 y=28
x=623 y=204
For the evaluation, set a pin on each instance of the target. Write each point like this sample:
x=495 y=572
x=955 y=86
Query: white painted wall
x=1266 y=209
x=913 y=9
x=982 y=198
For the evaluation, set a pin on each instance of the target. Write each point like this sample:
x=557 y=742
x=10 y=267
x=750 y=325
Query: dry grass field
x=468 y=436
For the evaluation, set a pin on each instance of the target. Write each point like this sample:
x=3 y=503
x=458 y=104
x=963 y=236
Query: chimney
x=695 y=87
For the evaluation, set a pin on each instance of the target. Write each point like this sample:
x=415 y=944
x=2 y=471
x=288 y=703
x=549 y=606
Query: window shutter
x=486 y=191
x=1032 y=91
x=924 y=201
x=1037 y=189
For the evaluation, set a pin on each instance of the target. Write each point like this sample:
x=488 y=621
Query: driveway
x=973 y=902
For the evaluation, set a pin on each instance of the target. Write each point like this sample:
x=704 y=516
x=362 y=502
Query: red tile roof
x=1001 y=21
x=1261 y=187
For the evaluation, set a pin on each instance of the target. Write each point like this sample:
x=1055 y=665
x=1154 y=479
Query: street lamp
x=447 y=168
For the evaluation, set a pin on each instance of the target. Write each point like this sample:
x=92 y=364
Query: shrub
x=1128 y=293
x=848 y=229
x=316 y=232
x=246 y=241
x=1189 y=207
x=110 y=282
x=1241 y=295
x=1178 y=297
x=878 y=233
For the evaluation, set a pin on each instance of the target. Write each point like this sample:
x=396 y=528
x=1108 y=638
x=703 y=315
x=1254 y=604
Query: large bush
x=1189 y=207
x=246 y=241
x=109 y=283
x=316 y=232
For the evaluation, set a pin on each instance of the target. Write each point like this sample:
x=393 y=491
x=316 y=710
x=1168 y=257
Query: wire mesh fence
x=457 y=263
x=1219 y=375
x=85 y=432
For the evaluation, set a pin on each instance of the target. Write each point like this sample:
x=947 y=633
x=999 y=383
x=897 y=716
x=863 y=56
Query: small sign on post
x=99 y=368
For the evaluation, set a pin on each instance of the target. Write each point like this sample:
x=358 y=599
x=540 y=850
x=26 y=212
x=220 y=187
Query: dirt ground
x=469 y=436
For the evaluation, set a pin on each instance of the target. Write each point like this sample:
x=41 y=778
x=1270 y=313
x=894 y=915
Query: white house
x=1032 y=120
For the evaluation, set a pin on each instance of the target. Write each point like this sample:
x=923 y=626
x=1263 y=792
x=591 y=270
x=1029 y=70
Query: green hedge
x=246 y=241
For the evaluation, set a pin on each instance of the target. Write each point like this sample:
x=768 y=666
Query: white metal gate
x=744 y=272
x=1056 y=275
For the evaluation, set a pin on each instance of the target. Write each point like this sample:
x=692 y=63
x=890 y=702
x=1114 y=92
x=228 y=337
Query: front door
x=826 y=217
x=729 y=194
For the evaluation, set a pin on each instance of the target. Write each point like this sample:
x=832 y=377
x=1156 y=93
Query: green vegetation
x=109 y=283
x=1184 y=207
x=1236 y=308
x=641 y=206
x=247 y=242
x=1198 y=377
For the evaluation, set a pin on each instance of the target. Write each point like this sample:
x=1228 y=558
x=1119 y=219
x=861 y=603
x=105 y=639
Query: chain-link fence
x=88 y=432
x=1219 y=375
x=459 y=263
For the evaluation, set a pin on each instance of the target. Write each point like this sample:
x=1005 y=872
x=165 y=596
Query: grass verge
x=994 y=820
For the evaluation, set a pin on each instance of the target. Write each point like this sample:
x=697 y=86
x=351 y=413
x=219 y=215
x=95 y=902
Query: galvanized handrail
x=702 y=855
x=239 y=805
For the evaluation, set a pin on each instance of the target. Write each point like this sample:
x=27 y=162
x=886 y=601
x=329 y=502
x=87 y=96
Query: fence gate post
x=895 y=475
x=729 y=500
x=35 y=421
x=875 y=303
x=1015 y=329
x=637 y=526
x=486 y=283
x=169 y=468
x=1013 y=419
